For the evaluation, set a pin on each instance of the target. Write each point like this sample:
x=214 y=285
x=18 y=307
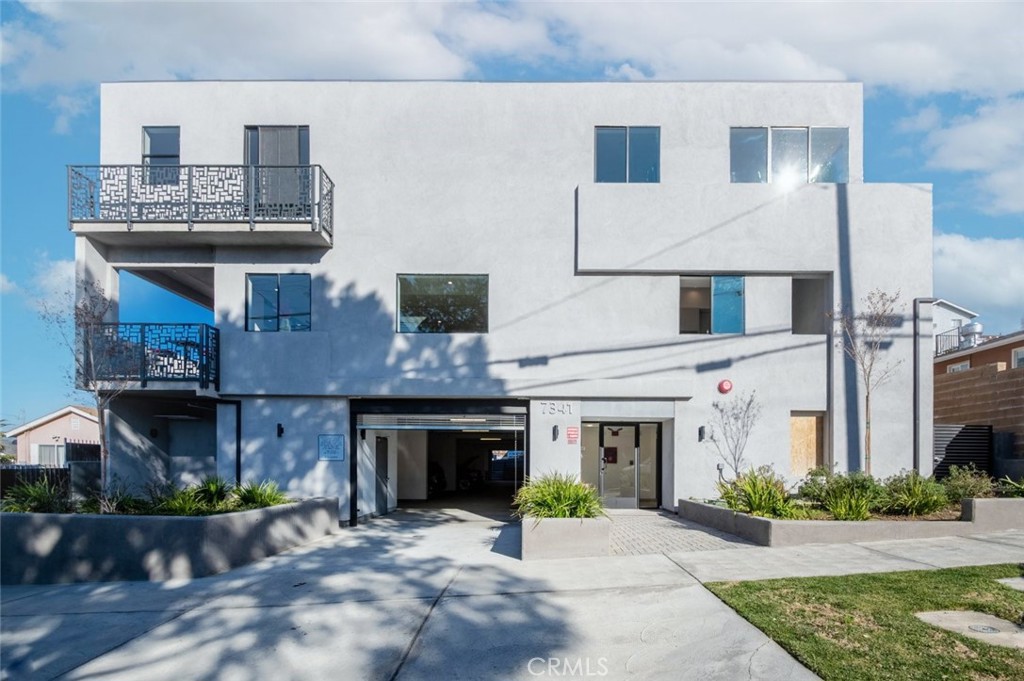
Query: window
x=627 y=154
x=711 y=305
x=277 y=145
x=278 y=302
x=958 y=367
x=797 y=155
x=810 y=305
x=1017 y=358
x=161 y=154
x=51 y=455
x=442 y=303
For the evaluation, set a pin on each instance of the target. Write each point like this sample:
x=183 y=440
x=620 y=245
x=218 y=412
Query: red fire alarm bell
x=725 y=386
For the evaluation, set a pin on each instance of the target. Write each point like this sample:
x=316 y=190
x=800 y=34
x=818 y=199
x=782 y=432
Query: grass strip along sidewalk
x=863 y=626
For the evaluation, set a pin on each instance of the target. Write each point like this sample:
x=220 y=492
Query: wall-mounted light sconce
x=701 y=434
x=154 y=433
x=554 y=433
x=280 y=430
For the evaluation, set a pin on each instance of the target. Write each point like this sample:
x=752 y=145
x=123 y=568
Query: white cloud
x=6 y=285
x=984 y=275
x=53 y=285
x=990 y=144
x=925 y=120
x=916 y=48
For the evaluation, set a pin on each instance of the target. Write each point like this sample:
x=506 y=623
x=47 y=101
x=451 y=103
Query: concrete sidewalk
x=817 y=560
x=431 y=595
x=419 y=596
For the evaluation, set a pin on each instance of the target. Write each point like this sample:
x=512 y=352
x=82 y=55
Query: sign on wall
x=572 y=435
x=331 y=448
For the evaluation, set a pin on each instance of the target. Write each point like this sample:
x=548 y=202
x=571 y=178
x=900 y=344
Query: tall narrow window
x=161 y=154
x=727 y=305
x=789 y=155
x=627 y=154
x=830 y=155
x=748 y=154
x=278 y=302
x=442 y=303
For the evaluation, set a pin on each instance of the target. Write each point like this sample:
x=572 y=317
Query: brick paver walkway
x=636 y=532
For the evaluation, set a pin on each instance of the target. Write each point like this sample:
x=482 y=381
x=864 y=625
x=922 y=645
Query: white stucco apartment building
x=507 y=278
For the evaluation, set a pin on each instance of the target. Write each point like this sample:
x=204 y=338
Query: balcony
x=120 y=355
x=191 y=205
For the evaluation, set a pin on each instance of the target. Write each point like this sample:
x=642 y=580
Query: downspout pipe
x=917 y=379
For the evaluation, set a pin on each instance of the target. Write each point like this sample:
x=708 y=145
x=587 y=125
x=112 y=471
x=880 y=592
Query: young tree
x=863 y=336
x=103 y=362
x=731 y=424
x=5 y=456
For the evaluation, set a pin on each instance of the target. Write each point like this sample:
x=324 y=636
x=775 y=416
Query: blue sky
x=944 y=86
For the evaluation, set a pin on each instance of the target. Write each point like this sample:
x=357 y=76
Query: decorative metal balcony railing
x=201 y=194
x=153 y=352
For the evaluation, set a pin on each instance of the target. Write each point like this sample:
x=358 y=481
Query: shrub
x=814 y=484
x=41 y=496
x=259 y=494
x=849 y=502
x=182 y=502
x=1010 y=488
x=967 y=482
x=117 y=501
x=213 y=491
x=760 y=492
x=912 y=494
x=557 y=496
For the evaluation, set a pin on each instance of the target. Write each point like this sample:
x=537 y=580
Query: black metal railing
x=948 y=341
x=201 y=194
x=153 y=352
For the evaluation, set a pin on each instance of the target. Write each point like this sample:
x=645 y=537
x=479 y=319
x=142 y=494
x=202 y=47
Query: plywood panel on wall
x=807 y=442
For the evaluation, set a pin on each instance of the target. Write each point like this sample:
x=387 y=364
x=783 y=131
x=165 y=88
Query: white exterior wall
x=497 y=179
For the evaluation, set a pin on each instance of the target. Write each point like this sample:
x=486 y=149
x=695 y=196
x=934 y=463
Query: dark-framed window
x=278 y=302
x=627 y=154
x=277 y=145
x=443 y=303
x=161 y=154
x=712 y=304
x=789 y=155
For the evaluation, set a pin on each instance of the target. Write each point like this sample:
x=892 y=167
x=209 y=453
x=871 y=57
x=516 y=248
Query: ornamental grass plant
x=557 y=495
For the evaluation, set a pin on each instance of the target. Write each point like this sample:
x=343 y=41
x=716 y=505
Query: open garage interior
x=461 y=461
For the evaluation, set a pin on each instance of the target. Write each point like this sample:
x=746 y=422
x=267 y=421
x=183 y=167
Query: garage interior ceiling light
x=462 y=419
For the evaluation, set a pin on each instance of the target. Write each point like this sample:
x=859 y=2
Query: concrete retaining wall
x=979 y=515
x=566 y=537
x=48 y=548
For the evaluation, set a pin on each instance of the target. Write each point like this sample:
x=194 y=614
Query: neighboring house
x=984 y=385
x=43 y=440
x=1007 y=349
x=948 y=321
x=411 y=281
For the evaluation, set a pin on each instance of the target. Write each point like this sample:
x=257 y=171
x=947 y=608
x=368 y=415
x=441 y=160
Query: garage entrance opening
x=467 y=462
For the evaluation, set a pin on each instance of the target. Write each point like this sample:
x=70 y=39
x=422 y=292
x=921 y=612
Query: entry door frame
x=635 y=425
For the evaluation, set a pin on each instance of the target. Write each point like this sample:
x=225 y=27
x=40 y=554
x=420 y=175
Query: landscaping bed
x=561 y=518
x=833 y=508
x=864 y=626
x=49 y=548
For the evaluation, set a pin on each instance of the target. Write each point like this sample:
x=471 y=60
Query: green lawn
x=863 y=626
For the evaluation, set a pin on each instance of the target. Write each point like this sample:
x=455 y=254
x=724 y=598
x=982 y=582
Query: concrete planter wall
x=978 y=515
x=49 y=548
x=566 y=537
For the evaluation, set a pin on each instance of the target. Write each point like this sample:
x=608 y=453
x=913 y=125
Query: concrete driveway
x=428 y=595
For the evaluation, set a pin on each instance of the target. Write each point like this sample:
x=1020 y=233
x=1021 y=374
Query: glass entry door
x=621 y=460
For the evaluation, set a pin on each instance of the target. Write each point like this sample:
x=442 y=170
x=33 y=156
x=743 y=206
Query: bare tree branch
x=102 y=362
x=731 y=425
x=863 y=336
